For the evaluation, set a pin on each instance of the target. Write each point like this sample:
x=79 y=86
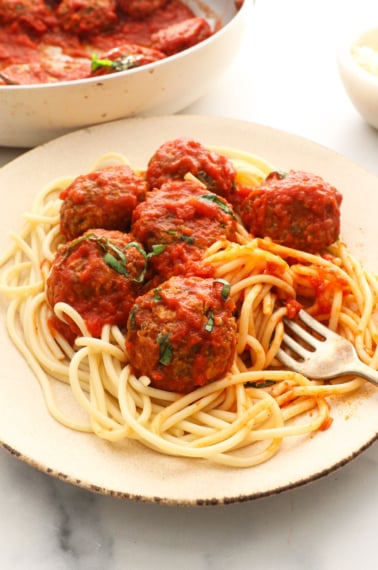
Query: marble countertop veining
x=285 y=76
x=50 y=525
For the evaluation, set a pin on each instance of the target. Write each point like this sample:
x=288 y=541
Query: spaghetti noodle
x=240 y=420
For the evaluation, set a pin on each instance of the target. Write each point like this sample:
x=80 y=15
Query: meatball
x=33 y=14
x=124 y=57
x=174 y=159
x=183 y=210
x=298 y=209
x=183 y=218
x=100 y=275
x=182 y=335
x=182 y=35
x=103 y=198
x=86 y=16
x=140 y=8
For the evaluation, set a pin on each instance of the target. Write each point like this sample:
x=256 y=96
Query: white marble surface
x=284 y=76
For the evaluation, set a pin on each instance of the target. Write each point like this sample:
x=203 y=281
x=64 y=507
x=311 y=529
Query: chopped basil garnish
x=225 y=293
x=182 y=237
x=123 y=63
x=260 y=384
x=219 y=202
x=157 y=249
x=132 y=314
x=115 y=264
x=166 y=351
x=157 y=295
x=187 y=239
x=114 y=257
x=78 y=241
x=98 y=63
x=210 y=322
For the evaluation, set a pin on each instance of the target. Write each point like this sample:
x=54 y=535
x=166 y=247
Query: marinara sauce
x=99 y=274
x=50 y=41
x=182 y=334
x=295 y=209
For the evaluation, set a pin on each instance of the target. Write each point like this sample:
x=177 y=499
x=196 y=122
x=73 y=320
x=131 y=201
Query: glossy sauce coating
x=174 y=159
x=297 y=209
x=104 y=199
x=46 y=42
x=182 y=334
x=100 y=275
x=185 y=218
x=178 y=319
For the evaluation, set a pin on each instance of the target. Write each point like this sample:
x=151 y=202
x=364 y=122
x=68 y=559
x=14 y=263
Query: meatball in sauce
x=174 y=159
x=87 y=16
x=32 y=15
x=185 y=218
x=99 y=274
x=297 y=209
x=180 y=36
x=103 y=198
x=182 y=334
x=141 y=8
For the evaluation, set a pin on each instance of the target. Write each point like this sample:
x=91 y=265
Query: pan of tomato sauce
x=47 y=41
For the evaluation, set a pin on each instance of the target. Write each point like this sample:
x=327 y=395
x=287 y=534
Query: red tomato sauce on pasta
x=45 y=47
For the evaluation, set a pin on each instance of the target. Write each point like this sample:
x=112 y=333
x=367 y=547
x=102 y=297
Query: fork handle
x=364 y=371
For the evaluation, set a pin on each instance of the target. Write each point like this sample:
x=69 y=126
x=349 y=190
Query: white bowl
x=33 y=114
x=358 y=76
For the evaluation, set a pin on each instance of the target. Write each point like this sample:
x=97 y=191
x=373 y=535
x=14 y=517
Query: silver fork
x=324 y=356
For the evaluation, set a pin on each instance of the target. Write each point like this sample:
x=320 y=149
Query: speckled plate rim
x=128 y=470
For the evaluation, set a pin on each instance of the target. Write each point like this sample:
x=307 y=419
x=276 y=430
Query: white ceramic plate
x=129 y=470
